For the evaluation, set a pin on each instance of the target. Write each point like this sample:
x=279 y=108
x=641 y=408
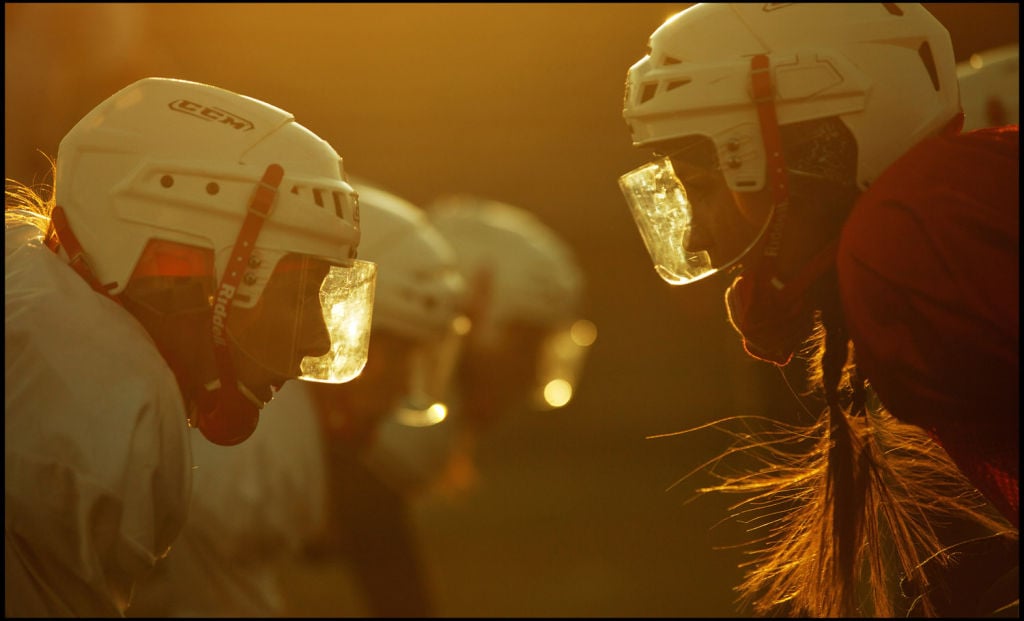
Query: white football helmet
x=990 y=87
x=533 y=278
x=178 y=161
x=420 y=294
x=885 y=70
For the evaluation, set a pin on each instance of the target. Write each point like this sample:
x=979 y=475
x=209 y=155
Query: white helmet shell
x=990 y=87
x=179 y=161
x=887 y=70
x=535 y=277
x=419 y=290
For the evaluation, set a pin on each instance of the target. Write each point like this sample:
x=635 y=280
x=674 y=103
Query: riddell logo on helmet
x=220 y=312
x=774 y=242
x=209 y=113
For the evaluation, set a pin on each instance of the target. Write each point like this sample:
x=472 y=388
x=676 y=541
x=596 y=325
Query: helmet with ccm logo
x=199 y=171
x=178 y=160
x=886 y=70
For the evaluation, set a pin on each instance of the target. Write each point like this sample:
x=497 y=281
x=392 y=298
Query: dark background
x=522 y=103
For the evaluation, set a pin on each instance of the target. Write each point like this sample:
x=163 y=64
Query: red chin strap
x=224 y=414
x=771 y=315
x=775 y=163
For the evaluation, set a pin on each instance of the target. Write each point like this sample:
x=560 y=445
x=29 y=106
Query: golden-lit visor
x=346 y=305
x=687 y=239
x=432 y=369
x=311 y=322
x=561 y=362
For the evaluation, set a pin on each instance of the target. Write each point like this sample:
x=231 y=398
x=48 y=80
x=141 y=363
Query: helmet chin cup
x=226 y=417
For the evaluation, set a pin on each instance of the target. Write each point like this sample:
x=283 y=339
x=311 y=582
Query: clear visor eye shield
x=312 y=319
x=433 y=364
x=686 y=242
x=693 y=234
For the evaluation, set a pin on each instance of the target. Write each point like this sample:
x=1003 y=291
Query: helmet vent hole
x=677 y=83
x=339 y=204
x=318 y=197
x=212 y=188
x=892 y=8
x=167 y=181
x=925 y=51
x=648 y=94
x=669 y=60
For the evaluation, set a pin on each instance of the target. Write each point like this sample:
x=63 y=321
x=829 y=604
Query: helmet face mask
x=886 y=71
x=689 y=221
x=346 y=301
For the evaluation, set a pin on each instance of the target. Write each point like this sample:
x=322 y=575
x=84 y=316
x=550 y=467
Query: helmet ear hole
x=821 y=148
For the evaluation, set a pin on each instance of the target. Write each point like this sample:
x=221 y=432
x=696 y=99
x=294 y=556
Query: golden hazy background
x=522 y=103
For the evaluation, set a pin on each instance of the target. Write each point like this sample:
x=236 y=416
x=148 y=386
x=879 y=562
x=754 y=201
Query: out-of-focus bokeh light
x=462 y=325
x=557 y=393
x=583 y=332
x=422 y=418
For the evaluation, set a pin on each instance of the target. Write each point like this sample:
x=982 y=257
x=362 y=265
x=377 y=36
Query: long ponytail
x=850 y=502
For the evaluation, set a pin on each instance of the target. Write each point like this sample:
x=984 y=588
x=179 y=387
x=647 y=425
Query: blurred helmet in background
x=526 y=293
x=420 y=295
